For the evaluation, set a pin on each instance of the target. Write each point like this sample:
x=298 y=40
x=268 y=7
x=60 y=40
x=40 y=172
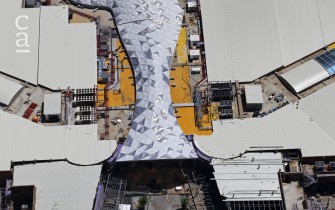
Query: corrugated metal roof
x=8 y=89
x=22 y=64
x=305 y=75
x=327 y=17
x=24 y=140
x=52 y=104
x=254 y=94
x=254 y=176
x=287 y=128
x=319 y=107
x=67 y=52
x=253 y=38
x=60 y=185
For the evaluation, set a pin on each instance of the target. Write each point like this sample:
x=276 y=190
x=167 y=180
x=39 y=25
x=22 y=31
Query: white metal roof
x=305 y=75
x=254 y=37
x=60 y=185
x=253 y=94
x=299 y=28
x=319 y=107
x=254 y=176
x=23 y=140
x=20 y=65
x=8 y=89
x=67 y=51
x=241 y=39
x=52 y=104
x=327 y=17
x=287 y=128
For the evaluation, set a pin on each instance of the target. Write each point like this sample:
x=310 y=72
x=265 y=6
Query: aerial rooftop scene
x=167 y=105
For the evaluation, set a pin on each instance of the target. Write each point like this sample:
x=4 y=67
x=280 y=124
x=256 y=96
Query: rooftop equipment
x=226 y=114
x=196 y=70
x=84 y=110
x=104 y=77
x=221 y=91
x=194 y=40
x=105 y=30
x=319 y=166
x=332 y=166
x=84 y=91
x=225 y=104
x=104 y=38
x=30 y=3
x=83 y=119
x=254 y=97
x=105 y=47
x=191 y=6
x=84 y=100
x=194 y=55
x=52 y=104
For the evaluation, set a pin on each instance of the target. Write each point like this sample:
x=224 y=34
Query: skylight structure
x=149 y=31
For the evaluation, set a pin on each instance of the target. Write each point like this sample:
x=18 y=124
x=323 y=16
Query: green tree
x=142 y=202
x=183 y=203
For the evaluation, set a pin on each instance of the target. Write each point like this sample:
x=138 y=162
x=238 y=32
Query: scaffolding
x=2 y=200
x=309 y=180
x=199 y=197
x=198 y=107
x=201 y=102
x=68 y=106
x=113 y=193
x=5 y=202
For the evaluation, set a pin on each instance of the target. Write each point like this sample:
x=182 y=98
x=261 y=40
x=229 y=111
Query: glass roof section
x=327 y=61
